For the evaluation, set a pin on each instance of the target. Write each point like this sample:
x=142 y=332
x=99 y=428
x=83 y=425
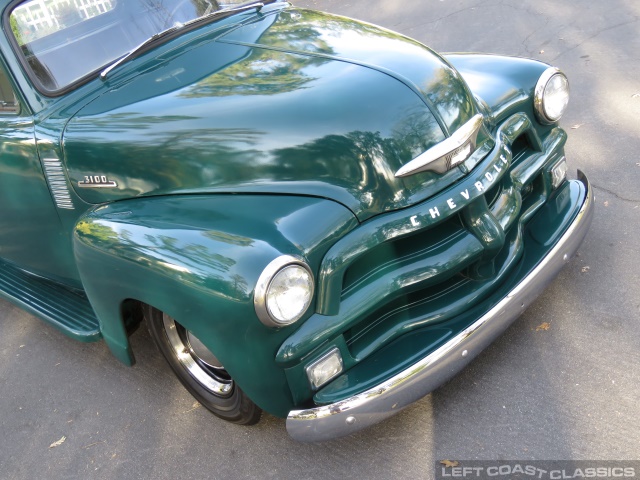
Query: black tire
x=199 y=371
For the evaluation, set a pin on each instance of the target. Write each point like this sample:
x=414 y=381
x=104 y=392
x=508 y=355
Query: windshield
x=62 y=41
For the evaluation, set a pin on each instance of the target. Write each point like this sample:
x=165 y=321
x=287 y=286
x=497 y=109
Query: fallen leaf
x=449 y=463
x=193 y=407
x=606 y=203
x=585 y=269
x=635 y=95
x=541 y=52
x=58 y=443
x=21 y=346
x=577 y=126
x=543 y=326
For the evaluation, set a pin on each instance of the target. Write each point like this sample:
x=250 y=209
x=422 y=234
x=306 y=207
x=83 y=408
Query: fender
x=198 y=258
x=505 y=85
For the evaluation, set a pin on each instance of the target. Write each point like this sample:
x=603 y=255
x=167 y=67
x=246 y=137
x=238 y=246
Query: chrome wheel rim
x=197 y=359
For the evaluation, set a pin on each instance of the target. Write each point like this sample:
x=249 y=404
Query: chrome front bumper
x=388 y=398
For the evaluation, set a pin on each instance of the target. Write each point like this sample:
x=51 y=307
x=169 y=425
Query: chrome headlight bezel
x=539 y=96
x=264 y=283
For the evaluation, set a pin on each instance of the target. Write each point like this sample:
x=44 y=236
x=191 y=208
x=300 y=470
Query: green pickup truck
x=314 y=216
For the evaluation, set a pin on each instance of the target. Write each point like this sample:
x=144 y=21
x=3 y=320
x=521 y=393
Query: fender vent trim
x=58 y=183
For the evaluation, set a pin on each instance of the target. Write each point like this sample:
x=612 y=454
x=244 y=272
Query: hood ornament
x=447 y=154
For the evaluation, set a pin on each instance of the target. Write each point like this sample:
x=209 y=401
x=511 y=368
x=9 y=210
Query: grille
x=439 y=271
x=450 y=284
x=433 y=262
x=390 y=256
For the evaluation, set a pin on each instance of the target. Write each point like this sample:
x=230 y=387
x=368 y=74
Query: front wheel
x=200 y=371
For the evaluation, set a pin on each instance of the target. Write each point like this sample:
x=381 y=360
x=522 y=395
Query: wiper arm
x=164 y=33
x=136 y=50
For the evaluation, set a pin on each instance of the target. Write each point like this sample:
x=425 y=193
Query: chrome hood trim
x=447 y=154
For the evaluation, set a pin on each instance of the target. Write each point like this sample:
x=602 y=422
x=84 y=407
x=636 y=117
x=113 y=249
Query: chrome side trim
x=58 y=183
x=428 y=160
x=390 y=397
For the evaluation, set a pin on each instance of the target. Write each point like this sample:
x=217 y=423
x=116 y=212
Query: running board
x=68 y=311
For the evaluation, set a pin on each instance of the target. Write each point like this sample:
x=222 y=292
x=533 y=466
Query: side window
x=8 y=101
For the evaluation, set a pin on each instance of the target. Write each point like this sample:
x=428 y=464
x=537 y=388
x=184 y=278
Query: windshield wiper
x=169 y=31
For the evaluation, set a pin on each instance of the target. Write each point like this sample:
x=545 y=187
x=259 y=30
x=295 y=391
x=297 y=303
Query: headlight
x=551 y=96
x=283 y=292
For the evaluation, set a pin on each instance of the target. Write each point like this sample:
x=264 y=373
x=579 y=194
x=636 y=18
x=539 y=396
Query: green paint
x=271 y=133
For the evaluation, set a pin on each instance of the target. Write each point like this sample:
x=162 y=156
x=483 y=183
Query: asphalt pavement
x=568 y=389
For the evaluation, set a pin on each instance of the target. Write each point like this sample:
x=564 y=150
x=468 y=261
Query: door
x=31 y=235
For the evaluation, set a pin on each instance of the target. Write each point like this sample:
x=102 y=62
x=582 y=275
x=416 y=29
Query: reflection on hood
x=274 y=107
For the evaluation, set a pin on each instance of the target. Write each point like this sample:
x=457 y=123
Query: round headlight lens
x=552 y=96
x=556 y=97
x=284 y=291
x=289 y=294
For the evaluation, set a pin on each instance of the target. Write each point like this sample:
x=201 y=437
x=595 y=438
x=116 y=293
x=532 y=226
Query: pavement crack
x=591 y=37
x=619 y=197
x=525 y=42
x=444 y=17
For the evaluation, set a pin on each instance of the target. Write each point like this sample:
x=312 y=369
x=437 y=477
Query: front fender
x=505 y=84
x=198 y=258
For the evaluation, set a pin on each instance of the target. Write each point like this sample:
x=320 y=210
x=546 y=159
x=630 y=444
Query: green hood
x=294 y=102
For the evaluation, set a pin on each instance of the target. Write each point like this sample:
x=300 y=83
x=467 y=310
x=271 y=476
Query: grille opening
x=396 y=253
x=377 y=328
x=431 y=305
x=493 y=193
x=521 y=148
x=533 y=192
